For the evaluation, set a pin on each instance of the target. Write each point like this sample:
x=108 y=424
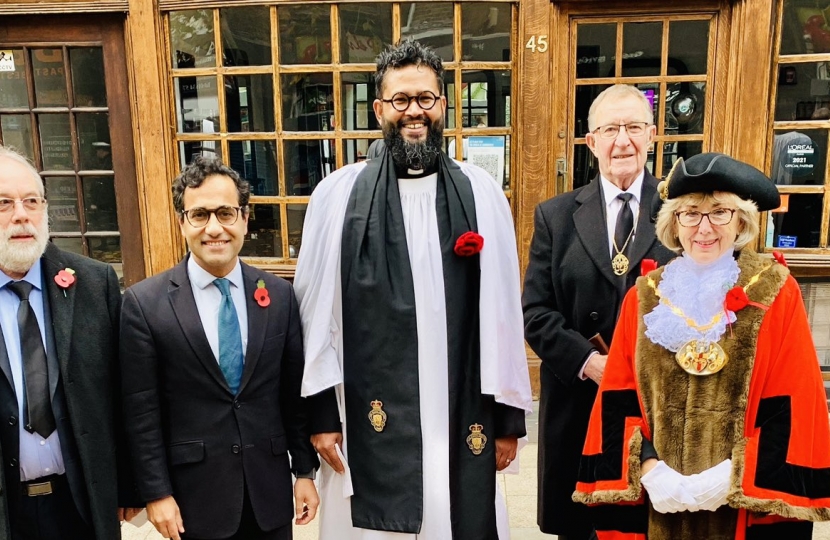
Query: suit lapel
x=5 y=365
x=184 y=306
x=645 y=236
x=61 y=304
x=590 y=226
x=257 y=324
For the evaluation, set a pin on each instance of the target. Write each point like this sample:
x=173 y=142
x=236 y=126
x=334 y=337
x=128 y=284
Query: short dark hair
x=199 y=169
x=408 y=53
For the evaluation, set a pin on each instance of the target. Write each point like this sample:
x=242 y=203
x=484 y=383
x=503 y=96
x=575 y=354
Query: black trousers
x=49 y=517
x=249 y=528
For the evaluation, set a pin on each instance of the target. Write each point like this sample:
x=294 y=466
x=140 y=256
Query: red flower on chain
x=736 y=299
x=261 y=294
x=647 y=265
x=778 y=256
x=65 y=278
x=468 y=244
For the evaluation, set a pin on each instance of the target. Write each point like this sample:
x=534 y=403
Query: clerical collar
x=412 y=173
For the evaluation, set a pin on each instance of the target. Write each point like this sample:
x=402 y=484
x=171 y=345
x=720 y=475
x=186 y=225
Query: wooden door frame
x=108 y=30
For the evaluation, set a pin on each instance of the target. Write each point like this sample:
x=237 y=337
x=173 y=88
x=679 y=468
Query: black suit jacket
x=570 y=294
x=82 y=352
x=190 y=436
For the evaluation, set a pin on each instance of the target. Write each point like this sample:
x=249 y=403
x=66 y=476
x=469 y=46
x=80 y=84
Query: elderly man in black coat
x=586 y=252
x=61 y=449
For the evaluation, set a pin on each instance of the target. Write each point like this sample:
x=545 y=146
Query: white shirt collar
x=610 y=191
x=201 y=278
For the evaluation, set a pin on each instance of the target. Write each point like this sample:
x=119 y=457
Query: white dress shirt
x=613 y=206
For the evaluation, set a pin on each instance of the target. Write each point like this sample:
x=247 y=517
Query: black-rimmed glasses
x=718 y=216
x=633 y=129
x=225 y=215
x=400 y=101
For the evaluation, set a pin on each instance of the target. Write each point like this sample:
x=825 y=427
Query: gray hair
x=12 y=154
x=619 y=91
x=408 y=53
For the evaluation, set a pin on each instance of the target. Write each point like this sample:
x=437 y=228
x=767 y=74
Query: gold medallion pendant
x=476 y=440
x=619 y=264
x=377 y=416
x=701 y=357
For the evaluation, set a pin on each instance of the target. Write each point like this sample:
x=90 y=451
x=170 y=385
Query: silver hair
x=619 y=91
x=12 y=154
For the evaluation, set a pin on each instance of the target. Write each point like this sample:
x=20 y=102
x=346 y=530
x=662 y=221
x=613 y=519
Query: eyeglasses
x=225 y=215
x=400 y=101
x=633 y=129
x=34 y=205
x=718 y=216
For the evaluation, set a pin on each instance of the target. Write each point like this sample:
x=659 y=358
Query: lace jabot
x=698 y=290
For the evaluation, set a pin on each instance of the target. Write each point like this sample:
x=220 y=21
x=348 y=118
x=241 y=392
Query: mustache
x=21 y=230
x=414 y=119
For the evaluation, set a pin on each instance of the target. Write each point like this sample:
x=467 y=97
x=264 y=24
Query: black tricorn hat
x=710 y=172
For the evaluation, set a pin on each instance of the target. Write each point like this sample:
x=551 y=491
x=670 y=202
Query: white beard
x=19 y=259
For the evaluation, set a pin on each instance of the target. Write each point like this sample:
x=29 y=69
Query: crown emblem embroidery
x=476 y=440
x=377 y=416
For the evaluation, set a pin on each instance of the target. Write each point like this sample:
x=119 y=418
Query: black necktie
x=40 y=418
x=625 y=224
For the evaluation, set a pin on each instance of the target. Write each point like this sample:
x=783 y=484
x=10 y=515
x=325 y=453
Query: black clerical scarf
x=380 y=358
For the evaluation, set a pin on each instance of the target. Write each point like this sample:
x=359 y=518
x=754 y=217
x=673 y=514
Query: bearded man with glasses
x=415 y=362
x=585 y=254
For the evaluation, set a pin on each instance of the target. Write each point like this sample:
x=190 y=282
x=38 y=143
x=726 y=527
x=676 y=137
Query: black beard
x=418 y=156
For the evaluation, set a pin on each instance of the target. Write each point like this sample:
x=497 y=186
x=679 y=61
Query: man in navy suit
x=212 y=364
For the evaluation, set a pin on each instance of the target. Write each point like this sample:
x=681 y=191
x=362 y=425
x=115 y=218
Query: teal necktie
x=230 y=337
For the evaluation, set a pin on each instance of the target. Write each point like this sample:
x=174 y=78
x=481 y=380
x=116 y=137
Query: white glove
x=667 y=490
x=711 y=486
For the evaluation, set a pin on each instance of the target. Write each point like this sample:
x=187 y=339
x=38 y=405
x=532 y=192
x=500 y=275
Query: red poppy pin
x=647 y=265
x=468 y=244
x=736 y=299
x=778 y=256
x=261 y=294
x=65 y=279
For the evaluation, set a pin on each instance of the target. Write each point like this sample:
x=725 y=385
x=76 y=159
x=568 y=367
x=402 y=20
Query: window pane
x=674 y=150
x=246 y=36
x=585 y=95
x=296 y=218
x=642 y=49
x=191 y=149
x=264 y=238
x=685 y=107
x=197 y=105
x=13 y=83
x=585 y=166
x=62 y=193
x=803 y=92
x=16 y=131
x=799 y=157
x=688 y=47
x=55 y=142
x=804 y=29
x=94 y=141
x=105 y=248
x=256 y=162
x=799 y=226
x=307 y=102
x=357 y=99
x=816 y=294
x=431 y=24
x=250 y=103
x=191 y=38
x=88 y=84
x=365 y=30
x=307 y=163
x=305 y=34
x=449 y=85
x=356 y=150
x=99 y=203
x=50 y=83
x=485 y=31
x=73 y=245
x=486 y=98
x=595 y=50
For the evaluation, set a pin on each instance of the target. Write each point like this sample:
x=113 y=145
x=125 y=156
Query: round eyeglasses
x=400 y=101
x=225 y=215
x=633 y=129
x=718 y=216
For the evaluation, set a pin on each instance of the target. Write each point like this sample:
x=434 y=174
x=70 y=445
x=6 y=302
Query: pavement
x=519 y=490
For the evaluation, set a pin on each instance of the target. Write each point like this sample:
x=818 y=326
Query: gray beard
x=20 y=259
x=418 y=156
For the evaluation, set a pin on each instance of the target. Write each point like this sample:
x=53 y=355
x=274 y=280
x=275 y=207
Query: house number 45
x=537 y=43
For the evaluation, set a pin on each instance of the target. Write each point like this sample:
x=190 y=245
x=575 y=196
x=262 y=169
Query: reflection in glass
x=16 y=132
x=246 y=36
x=803 y=91
x=55 y=142
x=685 y=108
x=249 y=100
x=62 y=194
x=485 y=98
x=799 y=157
x=674 y=150
x=256 y=162
x=449 y=85
x=100 y=210
x=307 y=102
x=305 y=34
x=688 y=47
x=296 y=218
x=264 y=238
x=197 y=105
x=357 y=99
x=485 y=31
x=192 y=39
x=596 y=49
x=105 y=248
x=88 y=83
x=50 y=83
x=585 y=95
x=13 y=83
x=357 y=150
x=365 y=30
x=306 y=164
x=190 y=149
x=642 y=44
x=94 y=141
x=431 y=24
x=72 y=244
x=799 y=226
x=804 y=29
